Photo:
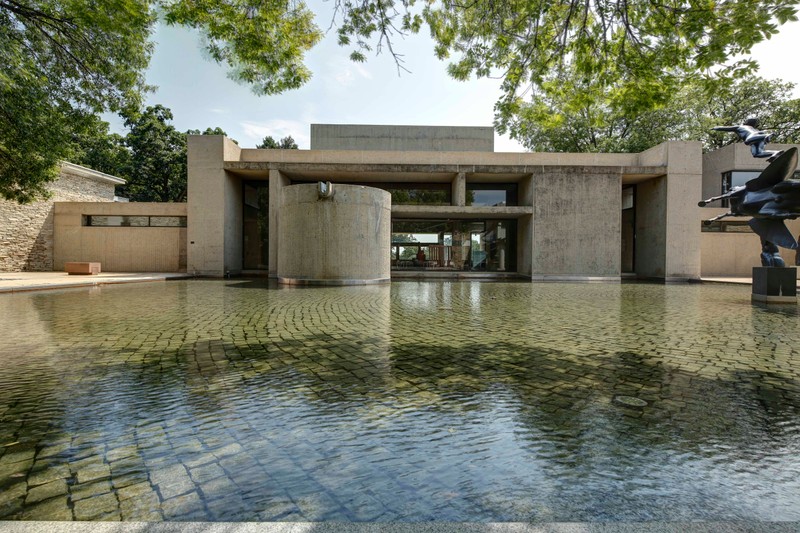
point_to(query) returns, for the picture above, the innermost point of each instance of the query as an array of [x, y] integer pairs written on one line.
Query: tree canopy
[[554, 122], [286, 143], [63, 60]]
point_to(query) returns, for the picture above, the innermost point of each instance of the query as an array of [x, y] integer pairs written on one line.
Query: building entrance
[[255, 231]]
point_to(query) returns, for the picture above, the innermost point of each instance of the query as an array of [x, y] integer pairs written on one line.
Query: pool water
[[240, 400]]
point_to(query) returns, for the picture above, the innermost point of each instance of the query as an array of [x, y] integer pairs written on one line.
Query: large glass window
[[735, 178], [491, 194], [473, 245], [418, 193]]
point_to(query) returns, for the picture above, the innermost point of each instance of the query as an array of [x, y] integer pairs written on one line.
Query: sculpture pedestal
[[775, 285]]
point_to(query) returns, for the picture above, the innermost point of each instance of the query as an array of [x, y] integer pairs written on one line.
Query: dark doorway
[[255, 248], [628, 229]]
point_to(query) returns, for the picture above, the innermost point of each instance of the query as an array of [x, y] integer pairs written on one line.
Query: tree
[[553, 121], [98, 149], [635, 53], [210, 131], [287, 143], [64, 59], [157, 167]]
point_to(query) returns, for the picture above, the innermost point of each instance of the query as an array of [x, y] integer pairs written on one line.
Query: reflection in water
[[240, 400]]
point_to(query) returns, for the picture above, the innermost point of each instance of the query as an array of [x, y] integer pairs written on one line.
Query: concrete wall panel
[[213, 246], [119, 249], [651, 232], [576, 224], [402, 138]]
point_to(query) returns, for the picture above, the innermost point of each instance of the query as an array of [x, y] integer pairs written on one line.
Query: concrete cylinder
[[343, 239]]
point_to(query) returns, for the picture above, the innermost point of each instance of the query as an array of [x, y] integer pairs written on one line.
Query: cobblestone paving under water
[[238, 400]]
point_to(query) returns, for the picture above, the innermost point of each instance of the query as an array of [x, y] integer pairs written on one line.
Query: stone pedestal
[[775, 284]]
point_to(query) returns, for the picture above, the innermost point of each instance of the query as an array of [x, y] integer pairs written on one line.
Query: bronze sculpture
[[770, 198], [752, 137]]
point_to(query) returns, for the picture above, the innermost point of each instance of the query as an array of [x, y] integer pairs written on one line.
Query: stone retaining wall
[[26, 231]]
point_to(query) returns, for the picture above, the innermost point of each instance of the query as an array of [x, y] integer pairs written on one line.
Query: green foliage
[[264, 43], [573, 116], [157, 166], [63, 60], [631, 56], [211, 131], [287, 143], [100, 150]]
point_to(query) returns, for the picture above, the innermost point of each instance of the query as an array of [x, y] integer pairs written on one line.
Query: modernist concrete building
[[404, 201], [457, 208]]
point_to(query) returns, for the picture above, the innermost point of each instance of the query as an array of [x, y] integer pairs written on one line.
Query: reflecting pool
[[239, 400]]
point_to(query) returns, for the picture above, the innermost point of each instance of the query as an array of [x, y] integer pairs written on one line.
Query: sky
[[200, 95]]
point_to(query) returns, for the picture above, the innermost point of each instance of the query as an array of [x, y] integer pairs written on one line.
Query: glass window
[[491, 194], [726, 226], [735, 178], [134, 221], [418, 193], [454, 245], [117, 220], [168, 222]]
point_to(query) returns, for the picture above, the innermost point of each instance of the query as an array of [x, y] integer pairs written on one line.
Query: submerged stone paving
[[241, 401]]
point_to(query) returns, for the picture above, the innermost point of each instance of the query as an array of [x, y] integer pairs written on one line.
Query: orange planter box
[[82, 268]]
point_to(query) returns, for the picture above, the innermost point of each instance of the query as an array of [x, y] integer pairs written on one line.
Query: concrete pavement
[[36, 281]]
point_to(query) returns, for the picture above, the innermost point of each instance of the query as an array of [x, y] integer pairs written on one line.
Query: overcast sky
[[342, 92]]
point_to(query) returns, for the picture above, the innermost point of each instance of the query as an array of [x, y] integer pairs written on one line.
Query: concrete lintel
[[449, 168], [465, 212]]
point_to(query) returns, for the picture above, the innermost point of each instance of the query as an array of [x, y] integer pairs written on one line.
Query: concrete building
[[404, 201], [458, 209], [81, 221]]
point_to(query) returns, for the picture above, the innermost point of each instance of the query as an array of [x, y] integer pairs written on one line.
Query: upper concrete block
[[402, 138]]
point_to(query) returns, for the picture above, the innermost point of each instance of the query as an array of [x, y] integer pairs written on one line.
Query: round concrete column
[[342, 239]]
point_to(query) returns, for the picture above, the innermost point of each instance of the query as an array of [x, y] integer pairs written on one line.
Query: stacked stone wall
[[26, 231]]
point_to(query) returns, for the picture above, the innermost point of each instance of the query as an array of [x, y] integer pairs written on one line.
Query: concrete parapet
[[341, 240]]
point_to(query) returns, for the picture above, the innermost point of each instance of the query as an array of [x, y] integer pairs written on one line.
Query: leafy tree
[[98, 149], [287, 143], [210, 131], [157, 167], [556, 120], [64, 59], [635, 53]]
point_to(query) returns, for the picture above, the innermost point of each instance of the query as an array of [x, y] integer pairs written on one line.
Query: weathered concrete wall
[[215, 237], [277, 181], [667, 237], [119, 249], [26, 231], [735, 156], [651, 230], [735, 254], [342, 239], [402, 138], [576, 225]]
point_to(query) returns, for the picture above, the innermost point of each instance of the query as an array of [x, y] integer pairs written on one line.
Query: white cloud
[[278, 128], [346, 73]]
